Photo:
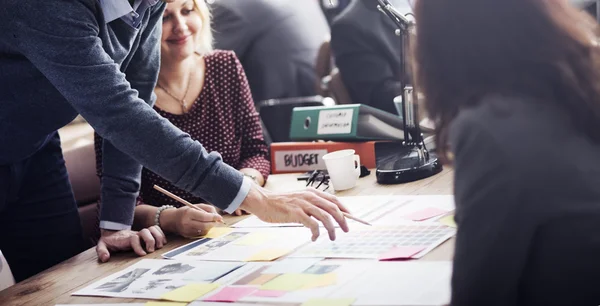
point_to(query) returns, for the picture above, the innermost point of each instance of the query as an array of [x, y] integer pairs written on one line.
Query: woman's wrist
[[167, 220]]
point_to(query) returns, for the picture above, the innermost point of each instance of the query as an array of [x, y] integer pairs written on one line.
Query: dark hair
[[545, 49]]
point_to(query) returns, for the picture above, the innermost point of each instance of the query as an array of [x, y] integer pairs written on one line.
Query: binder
[[349, 122]]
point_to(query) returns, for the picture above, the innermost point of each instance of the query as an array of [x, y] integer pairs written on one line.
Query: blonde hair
[[205, 44]]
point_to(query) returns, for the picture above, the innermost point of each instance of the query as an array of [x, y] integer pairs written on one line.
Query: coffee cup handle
[[357, 165]]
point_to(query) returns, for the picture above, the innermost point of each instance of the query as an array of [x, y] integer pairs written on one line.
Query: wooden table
[[55, 285]]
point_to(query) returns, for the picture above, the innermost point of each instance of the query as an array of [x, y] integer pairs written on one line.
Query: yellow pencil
[[180, 200]]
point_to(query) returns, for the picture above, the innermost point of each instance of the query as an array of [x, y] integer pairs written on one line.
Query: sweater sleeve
[[66, 48], [254, 151], [494, 235]]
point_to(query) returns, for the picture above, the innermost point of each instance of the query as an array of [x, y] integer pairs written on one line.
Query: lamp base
[[408, 165]]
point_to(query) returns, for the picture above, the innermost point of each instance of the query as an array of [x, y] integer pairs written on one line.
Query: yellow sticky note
[[217, 232], [323, 280], [448, 221], [256, 238], [268, 255], [165, 304], [329, 302], [290, 282], [189, 293], [262, 279]]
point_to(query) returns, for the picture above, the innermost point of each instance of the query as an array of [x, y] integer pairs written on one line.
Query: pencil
[[180, 200], [349, 216]]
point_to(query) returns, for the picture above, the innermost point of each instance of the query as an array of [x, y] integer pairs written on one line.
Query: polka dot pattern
[[223, 119]]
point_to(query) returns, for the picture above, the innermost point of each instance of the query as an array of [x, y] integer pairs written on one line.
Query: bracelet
[[159, 211]]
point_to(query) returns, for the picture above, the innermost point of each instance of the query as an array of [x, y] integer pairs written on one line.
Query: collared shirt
[[115, 9]]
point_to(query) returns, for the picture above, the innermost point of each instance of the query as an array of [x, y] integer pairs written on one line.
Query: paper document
[[368, 208], [380, 240], [155, 278], [253, 244]]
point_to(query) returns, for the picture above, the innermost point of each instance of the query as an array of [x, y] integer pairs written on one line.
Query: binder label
[[299, 160], [337, 121]]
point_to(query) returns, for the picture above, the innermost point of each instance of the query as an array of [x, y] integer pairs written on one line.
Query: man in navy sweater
[[100, 58]]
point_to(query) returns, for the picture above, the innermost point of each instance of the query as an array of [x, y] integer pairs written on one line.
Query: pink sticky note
[[403, 252], [268, 293], [424, 214], [230, 294]]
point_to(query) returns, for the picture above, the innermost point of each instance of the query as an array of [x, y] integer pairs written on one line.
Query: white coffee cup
[[343, 167]]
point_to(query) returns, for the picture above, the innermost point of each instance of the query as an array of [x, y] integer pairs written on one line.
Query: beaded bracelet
[[159, 211]]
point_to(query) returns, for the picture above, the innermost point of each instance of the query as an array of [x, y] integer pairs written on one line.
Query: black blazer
[[276, 41], [368, 54]]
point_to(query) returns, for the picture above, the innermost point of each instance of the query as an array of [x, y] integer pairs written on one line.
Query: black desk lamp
[[411, 161]]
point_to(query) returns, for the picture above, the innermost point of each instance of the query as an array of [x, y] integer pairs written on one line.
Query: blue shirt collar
[[115, 9]]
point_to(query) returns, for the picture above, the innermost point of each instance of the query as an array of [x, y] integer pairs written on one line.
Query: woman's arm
[[254, 159], [182, 221], [494, 235]]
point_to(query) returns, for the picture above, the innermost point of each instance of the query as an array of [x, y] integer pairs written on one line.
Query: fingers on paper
[[331, 208], [102, 251]]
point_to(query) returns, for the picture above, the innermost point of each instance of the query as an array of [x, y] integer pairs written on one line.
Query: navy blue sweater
[[59, 58]]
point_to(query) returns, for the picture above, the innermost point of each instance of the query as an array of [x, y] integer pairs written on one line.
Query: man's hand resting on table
[[125, 240], [297, 207]]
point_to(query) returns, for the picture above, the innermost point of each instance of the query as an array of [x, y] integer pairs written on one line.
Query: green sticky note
[[329, 302], [290, 282], [448, 221], [189, 293]]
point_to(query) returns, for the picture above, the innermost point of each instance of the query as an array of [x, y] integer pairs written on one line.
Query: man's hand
[[114, 241], [297, 207]]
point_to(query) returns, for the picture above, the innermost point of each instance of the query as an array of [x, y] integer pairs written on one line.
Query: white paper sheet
[[373, 242], [414, 204], [368, 208], [238, 245], [369, 282], [401, 283], [151, 278], [291, 265]]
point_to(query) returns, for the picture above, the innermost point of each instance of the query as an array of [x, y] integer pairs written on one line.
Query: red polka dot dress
[[222, 119]]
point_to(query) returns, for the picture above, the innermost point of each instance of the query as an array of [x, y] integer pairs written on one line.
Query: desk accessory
[[412, 161]]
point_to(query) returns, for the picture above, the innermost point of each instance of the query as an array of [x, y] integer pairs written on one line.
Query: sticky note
[[448, 221], [269, 293], [262, 279], [189, 293], [256, 238], [425, 214], [268, 255], [401, 252], [290, 282], [291, 265], [217, 232], [164, 304], [323, 280], [328, 302], [230, 294]]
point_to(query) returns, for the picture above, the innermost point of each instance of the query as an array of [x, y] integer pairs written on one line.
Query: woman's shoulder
[[507, 117], [222, 59]]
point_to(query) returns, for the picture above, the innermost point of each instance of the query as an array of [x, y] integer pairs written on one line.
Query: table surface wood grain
[[55, 285]]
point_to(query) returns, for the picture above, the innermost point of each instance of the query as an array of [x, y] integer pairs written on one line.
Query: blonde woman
[[204, 92]]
